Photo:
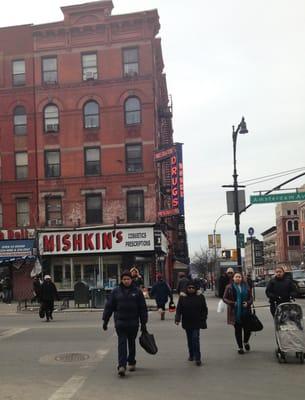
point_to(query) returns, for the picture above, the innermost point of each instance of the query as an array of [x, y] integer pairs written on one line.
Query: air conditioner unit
[[52, 127], [90, 75], [131, 74], [54, 222]]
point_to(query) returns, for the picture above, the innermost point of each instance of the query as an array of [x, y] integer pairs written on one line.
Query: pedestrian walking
[[161, 292], [280, 289], [137, 277], [192, 310], [129, 307], [7, 288], [37, 288], [224, 280], [182, 283], [238, 297], [47, 296]]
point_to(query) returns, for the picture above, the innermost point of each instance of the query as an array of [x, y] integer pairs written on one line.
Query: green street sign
[[241, 240], [277, 198]]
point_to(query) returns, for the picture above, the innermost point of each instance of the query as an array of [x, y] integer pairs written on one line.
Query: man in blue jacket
[[129, 307], [161, 292]]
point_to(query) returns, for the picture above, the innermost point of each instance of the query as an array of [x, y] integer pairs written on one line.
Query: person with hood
[[48, 293], [193, 311], [280, 289], [137, 277], [161, 292], [129, 307], [183, 281], [224, 280], [238, 297], [37, 288]]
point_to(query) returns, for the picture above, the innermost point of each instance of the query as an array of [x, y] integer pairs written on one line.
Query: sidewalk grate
[[72, 357]]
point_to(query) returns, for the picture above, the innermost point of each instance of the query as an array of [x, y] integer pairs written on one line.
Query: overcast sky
[[223, 59]]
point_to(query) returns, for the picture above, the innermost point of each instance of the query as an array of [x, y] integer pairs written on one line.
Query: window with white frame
[[92, 161], [89, 66], [22, 212], [52, 163], [132, 111], [135, 206], [51, 118], [134, 158], [22, 165], [49, 70], [20, 121], [131, 61], [91, 115], [18, 67], [53, 211], [94, 212]]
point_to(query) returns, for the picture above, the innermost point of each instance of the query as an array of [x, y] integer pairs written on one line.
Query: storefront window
[[91, 275], [58, 275], [67, 277], [77, 273], [110, 275]]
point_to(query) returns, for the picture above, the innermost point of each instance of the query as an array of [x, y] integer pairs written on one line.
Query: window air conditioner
[[54, 222], [52, 127], [90, 75]]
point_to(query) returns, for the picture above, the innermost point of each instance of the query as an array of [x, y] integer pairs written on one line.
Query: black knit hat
[[126, 273]]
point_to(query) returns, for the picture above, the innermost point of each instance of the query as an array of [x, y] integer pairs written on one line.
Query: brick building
[[289, 253], [270, 250], [84, 110]]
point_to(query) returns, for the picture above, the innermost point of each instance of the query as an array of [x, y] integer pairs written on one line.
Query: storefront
[[98, 256]]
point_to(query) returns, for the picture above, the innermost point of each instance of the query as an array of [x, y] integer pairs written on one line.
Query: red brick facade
[[49, 74]]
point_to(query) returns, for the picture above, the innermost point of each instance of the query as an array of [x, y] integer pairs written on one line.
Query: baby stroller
[[289, 331]]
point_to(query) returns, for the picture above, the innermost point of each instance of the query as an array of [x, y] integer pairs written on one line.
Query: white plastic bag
[[221, 306]]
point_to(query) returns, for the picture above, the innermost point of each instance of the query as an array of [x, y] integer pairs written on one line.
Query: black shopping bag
[[252, 323], [147, 341], [42, 311]]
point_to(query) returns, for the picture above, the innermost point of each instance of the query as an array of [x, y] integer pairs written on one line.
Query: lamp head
[[243, 127]]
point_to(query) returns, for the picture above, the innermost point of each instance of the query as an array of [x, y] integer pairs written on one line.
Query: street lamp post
[[214, 238], [241, 129]]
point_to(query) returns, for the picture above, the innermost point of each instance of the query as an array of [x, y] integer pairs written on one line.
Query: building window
[[23, 212], [20, 120], [134, 158], [91, 115], [89, 65], [92, 161], [132, 111], [53, 211], [135, 206], [295, 212], [288, 212], [1, 215], [49, 70], [293, 241], [51, 118], [18, 73], [296, 225], [289, 226], [21, 160], [52, 163], [94, 214], [131, 61]]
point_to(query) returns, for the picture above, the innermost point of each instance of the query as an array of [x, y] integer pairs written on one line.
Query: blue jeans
[[127, 345], [193, 342]]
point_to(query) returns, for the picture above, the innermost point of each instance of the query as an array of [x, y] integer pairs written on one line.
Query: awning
[[16, 250]]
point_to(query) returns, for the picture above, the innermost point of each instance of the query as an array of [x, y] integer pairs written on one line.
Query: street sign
[[251, 231], [231, 203], [242, 240], [211, 241], [277, 198]]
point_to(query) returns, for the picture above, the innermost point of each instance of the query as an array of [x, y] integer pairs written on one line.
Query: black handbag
[[252, 323], [147, 341]]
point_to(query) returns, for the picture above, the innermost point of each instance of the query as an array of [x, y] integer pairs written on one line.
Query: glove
[[105, 327], [143, 328]]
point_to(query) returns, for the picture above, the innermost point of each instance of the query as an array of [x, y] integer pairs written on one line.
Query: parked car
[[298, 277]]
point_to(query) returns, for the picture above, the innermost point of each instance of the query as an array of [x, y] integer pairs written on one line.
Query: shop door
[[91, 274]]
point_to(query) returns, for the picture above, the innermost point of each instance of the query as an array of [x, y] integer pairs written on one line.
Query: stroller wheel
[[301, 358]]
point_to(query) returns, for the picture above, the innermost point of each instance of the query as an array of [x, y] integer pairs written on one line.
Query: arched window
[[20, 120], [91, 115], [51, 118], [132, 111], [296, 225], [289, 226]]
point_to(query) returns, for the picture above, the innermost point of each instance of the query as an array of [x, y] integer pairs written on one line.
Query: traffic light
[[234, 255], [226, 254]]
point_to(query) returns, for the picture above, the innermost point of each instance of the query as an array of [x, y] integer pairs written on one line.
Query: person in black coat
[[37, 288], [161, 292], [129, 307], [280, 289], [193, 311], [224, 280], [183, 281], [48, 293]]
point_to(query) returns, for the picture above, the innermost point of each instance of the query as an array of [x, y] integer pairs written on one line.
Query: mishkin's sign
[[177, 184], [97, 241]]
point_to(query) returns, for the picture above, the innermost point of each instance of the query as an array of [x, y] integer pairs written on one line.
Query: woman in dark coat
[[161, 292], [238, 297], [48, 294], [193, 311]]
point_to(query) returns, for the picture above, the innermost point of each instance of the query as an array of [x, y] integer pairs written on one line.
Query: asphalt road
[[32, 367]]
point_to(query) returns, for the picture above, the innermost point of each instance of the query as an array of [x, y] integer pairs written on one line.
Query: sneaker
[[121, 371], [247, 346], [198, 363], [132, 368], [241, 351]]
